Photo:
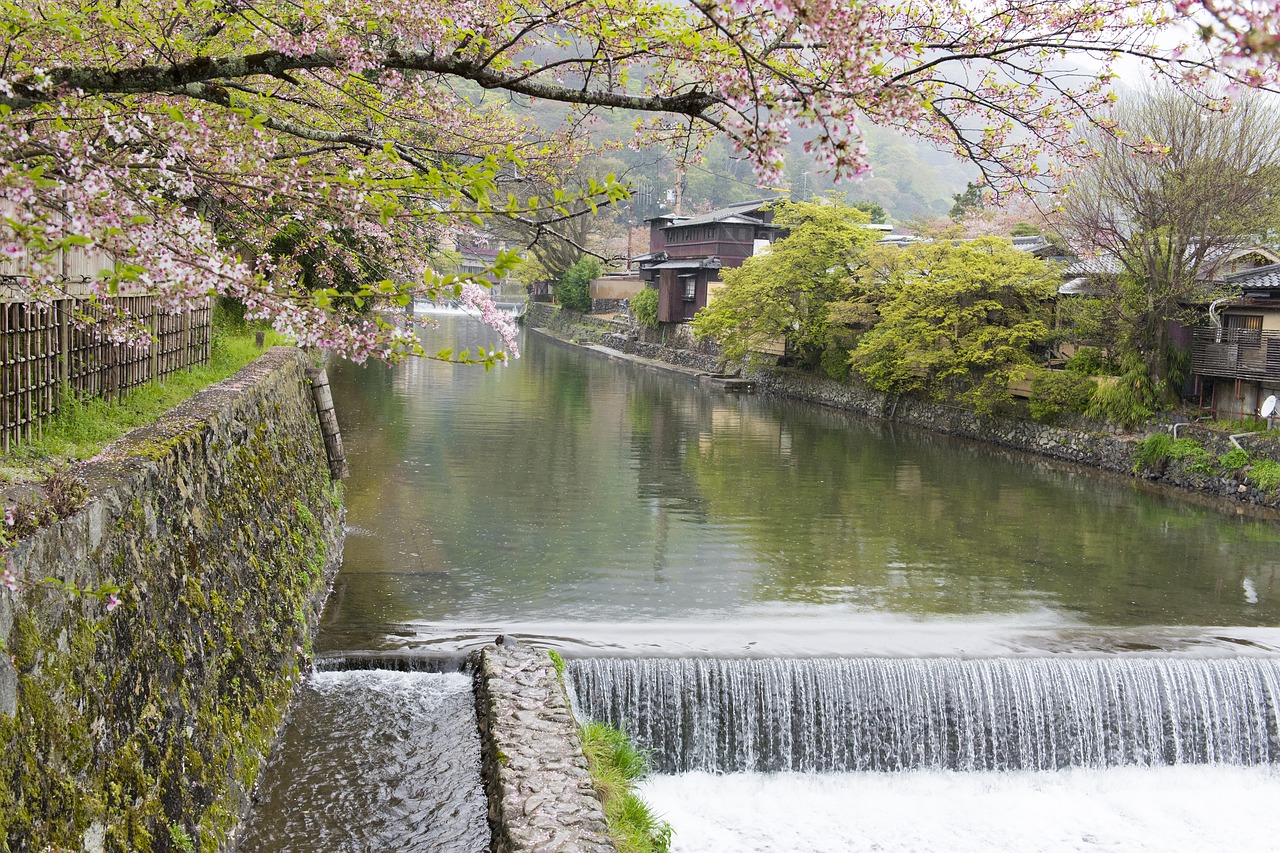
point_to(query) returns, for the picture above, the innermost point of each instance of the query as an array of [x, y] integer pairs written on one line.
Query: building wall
[[616, 287]]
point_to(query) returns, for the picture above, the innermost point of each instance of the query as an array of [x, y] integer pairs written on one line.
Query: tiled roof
[[734, 213], [1099, 265], [1260, 278], [689, 264]]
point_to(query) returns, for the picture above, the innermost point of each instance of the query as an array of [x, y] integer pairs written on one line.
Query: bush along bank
[[138, 721], [1205, 460], [617, 766], [1094, 444]]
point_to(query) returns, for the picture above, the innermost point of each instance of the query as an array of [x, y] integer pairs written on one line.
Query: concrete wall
[[144, 728], [616, 287], [535, 774]]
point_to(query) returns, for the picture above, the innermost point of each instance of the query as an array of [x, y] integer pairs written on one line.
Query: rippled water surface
[[375, 761], [579, 500]]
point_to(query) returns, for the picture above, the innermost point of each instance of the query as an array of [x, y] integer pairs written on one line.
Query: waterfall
[[886, 714], [422, 663]]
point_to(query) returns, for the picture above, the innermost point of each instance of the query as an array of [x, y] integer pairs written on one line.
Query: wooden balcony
[[1235, 353]]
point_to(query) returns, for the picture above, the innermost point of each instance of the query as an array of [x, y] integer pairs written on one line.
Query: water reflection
[[569, 488]]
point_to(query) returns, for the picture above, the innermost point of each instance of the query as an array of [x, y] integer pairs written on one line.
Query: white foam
[[1196, 809]]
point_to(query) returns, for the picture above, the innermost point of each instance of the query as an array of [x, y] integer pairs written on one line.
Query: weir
[[891, 714]]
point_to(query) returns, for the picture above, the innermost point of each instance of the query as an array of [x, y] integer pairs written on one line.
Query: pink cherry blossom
[[314, 157]]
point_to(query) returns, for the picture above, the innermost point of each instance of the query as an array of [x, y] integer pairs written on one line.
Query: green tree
[[955, 321], [873, 209], [644, 305], [573, 291], [967, 202], [786, 291]]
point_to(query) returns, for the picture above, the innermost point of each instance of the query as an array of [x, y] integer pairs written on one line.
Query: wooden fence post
[[155, 342], [187, 349], [323, 399], [64, 346]]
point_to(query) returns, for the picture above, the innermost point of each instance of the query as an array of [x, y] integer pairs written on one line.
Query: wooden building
[[686, 253], [1236, 355]]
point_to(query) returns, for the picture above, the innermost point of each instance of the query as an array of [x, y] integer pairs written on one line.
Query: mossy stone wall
[[144, 728]]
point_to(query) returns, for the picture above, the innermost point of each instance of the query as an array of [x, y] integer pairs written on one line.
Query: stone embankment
[[1093, 445], [142, 726], [539, 790], [673, 345]]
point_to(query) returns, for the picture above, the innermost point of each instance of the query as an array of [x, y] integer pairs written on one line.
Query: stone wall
[[535, 774], [672, 342], [143, 728], [1104, 448]]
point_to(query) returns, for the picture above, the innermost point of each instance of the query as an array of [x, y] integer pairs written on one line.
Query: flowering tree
[[184, 136]]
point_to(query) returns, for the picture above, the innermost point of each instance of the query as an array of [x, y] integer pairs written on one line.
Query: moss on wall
[[144, 728]]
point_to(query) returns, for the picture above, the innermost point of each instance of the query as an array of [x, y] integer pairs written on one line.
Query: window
[[1243, 329], [690, 284]]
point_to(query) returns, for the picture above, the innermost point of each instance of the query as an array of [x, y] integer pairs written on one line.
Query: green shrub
[[1130, 400], [835, 362], [1265, 474], [1233, 460], [1055, 393], [1090, 361], [644, 305], [1160, 447], [573, 291], [616, 766]]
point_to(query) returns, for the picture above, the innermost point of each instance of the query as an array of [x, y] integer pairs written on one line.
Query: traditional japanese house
[[686, 253], [1235, 356]]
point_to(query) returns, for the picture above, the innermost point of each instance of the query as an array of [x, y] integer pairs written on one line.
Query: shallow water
[[375, 761], [1186, 809]]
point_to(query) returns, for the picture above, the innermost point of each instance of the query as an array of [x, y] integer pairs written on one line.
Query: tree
[[874, 210], [954, 320], [573, 291], [966, 203], [182, 135], [1162, 220], [1243, 32], [785, 293]]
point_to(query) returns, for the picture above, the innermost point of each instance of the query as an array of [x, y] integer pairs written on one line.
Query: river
[[611, 511]]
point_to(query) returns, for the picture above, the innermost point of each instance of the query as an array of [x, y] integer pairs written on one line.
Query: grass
[[616, 766], [1248, 423], [1265, 474], [82, 427], [1160, 446]]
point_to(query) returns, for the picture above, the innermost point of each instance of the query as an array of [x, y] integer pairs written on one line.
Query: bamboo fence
[[47, 351]]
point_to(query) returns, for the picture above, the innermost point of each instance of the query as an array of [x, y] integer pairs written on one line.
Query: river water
[[611, 511]]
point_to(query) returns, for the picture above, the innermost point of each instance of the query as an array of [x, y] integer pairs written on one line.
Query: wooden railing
[[1235, 353], [46, 352]]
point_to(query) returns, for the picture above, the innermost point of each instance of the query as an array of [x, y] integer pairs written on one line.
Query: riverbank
[[1211, 471], [139, 720]]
